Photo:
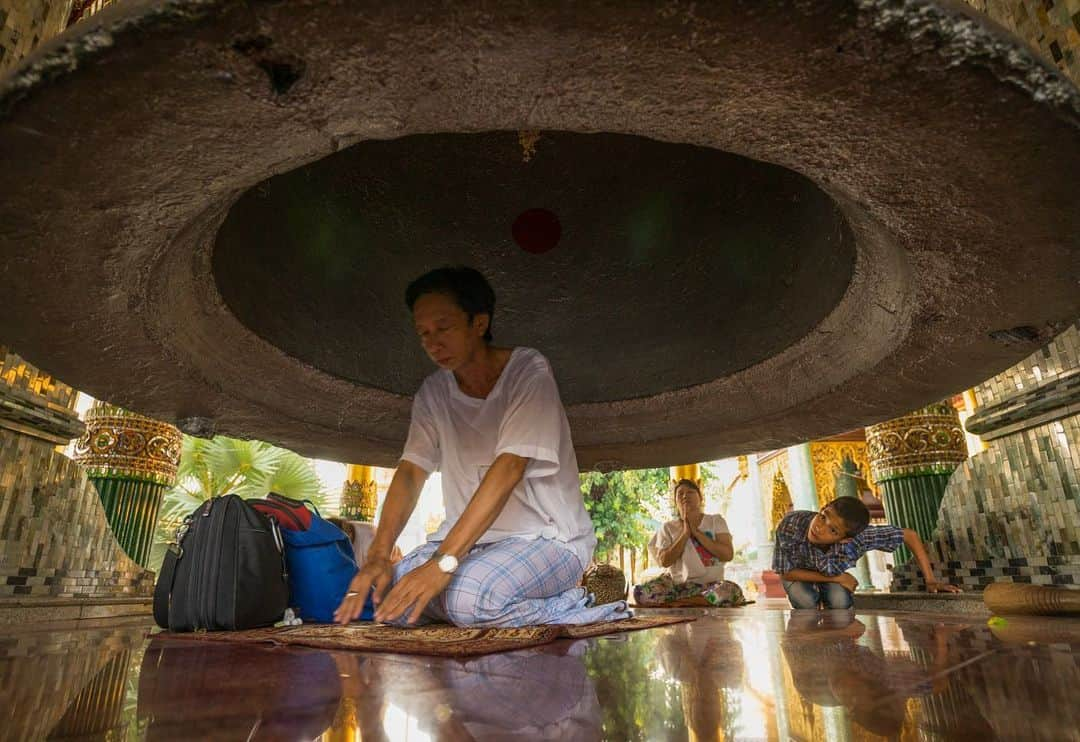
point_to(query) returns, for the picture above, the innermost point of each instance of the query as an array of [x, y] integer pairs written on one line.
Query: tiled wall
[[1012, 512], [1019, 498], [24, 24], [1060, 358], [44, 672], [54, 538], [1050, 26], [32, 381]]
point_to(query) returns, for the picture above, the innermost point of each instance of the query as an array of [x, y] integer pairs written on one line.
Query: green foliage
[[649, 705], [626, 507], [221, 466], [718, 493]]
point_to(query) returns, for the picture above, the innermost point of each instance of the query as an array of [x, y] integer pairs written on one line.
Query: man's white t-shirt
[[694, 564], [461, 436]]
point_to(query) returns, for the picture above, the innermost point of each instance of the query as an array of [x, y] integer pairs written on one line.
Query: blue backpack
[[319, 558]]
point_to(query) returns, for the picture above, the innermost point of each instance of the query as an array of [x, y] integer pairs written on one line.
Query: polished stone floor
[[753, 673]]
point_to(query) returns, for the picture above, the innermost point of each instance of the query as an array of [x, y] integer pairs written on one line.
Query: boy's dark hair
[[854, 514], [467, 286]]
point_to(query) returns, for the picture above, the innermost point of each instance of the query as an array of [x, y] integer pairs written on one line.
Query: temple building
[[832, 246]]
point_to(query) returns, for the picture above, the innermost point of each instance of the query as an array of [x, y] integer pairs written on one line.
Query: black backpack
[[225, 571]]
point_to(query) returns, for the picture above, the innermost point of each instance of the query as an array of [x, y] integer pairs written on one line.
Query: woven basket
[[606, 582]]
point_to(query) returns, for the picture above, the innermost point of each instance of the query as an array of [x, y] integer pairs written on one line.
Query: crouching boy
[[815, 550]]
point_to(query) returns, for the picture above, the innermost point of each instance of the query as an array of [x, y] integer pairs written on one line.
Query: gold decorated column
[[687, 471], [911, 459], [132, 460], [359, 494]]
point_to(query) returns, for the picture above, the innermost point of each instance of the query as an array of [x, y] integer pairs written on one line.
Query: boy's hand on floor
[[848, 582], [942, 587]]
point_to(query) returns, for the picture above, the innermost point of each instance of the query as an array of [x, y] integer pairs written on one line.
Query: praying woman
[[692, 549]]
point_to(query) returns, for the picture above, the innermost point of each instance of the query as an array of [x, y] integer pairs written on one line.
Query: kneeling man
[[516, 537]]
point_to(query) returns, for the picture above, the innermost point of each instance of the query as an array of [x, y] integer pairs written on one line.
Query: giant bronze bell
[[730, 226]]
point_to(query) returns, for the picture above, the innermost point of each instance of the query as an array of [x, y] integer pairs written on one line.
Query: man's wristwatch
[[447, 563]]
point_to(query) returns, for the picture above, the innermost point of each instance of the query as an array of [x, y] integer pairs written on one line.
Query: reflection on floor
[[751, 673]]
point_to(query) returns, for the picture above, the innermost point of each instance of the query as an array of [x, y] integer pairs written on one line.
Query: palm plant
[[220, 466]]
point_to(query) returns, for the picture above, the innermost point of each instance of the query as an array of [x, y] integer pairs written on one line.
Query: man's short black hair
[[854, 514], [467, 286]]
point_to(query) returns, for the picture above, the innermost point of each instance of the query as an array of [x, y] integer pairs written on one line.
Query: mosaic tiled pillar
[[55, 541], [132, 460], [801, 483], [759, 524], [774, 625], [97, 712], [911, 459], [1012, 512], [359, 494], [48, 677]]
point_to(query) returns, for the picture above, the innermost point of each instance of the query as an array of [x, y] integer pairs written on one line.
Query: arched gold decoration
[[768, 467], [827, 457], [781, 499], [528, 140]]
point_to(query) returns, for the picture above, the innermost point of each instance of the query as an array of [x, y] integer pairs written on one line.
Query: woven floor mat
[[435, 641]]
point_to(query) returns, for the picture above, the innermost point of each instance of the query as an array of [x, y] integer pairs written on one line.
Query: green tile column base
[[913, 502], [131, 507]]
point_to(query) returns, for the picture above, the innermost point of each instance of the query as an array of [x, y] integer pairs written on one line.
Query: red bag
[[291, 515]]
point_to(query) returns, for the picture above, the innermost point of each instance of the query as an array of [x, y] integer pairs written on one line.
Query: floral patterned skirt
[[663, 591]]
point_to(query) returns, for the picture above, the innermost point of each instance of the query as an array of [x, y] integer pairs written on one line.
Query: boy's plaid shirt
[[793, 551]]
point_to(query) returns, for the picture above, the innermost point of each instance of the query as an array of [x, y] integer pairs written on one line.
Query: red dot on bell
[[536, 231]]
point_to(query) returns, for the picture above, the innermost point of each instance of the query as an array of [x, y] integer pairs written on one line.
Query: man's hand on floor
[[415, 590], [376, 575]]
